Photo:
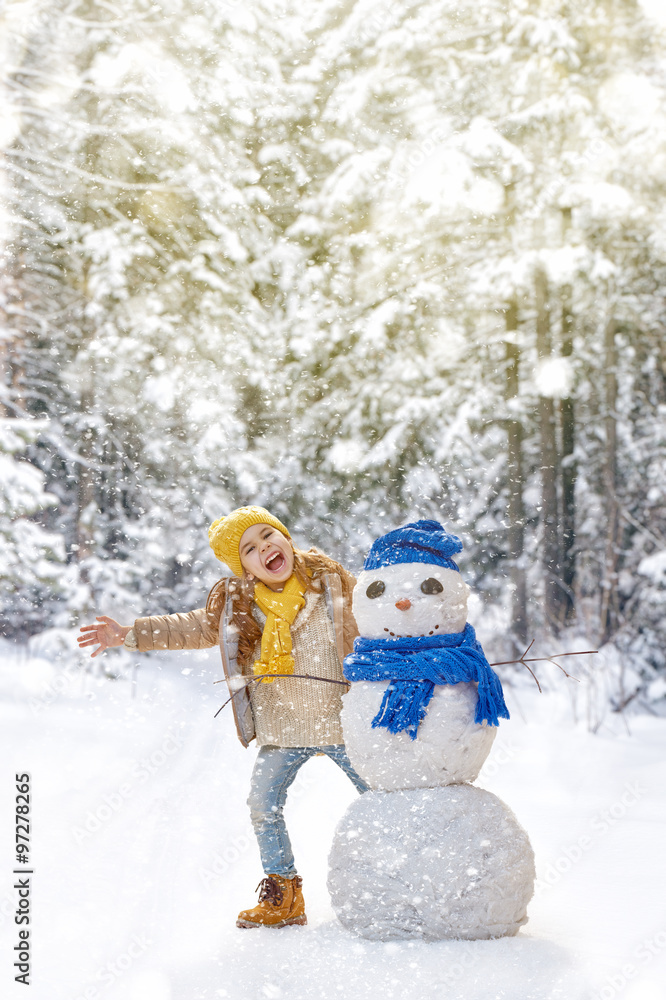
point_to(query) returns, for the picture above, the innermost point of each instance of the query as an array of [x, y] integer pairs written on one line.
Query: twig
[[526, 660], [536, 679], [260, 677], [620, 706], [570, 676], [524, 663], [533, 659]]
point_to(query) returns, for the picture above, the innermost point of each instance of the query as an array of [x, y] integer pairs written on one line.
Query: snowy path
[[143, 854]]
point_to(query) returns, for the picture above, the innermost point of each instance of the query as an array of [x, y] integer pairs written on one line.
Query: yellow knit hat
[[225, 534]]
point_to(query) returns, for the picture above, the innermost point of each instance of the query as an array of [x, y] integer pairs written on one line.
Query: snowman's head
[[410, 585], [409, 599]]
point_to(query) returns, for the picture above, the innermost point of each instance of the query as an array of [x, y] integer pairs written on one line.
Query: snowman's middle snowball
[[450, 748]]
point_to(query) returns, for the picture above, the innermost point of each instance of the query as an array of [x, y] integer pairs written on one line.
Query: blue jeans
[[274, 771]]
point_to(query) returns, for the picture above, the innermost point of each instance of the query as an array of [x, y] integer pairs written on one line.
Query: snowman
[[424, 854]]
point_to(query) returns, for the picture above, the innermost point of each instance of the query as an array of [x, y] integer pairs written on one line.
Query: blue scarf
[[414, 665]]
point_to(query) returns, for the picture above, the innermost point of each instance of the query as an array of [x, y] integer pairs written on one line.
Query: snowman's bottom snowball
[[432, 863]]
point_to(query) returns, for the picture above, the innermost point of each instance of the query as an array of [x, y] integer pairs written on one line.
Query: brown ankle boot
[[280, 903]]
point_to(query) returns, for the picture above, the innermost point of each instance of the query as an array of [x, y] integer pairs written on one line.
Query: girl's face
[[267, 555]]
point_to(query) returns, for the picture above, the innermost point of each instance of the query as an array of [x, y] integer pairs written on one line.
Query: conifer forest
[[359, 262]]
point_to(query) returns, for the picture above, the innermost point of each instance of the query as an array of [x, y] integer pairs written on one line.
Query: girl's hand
[[108, 634]]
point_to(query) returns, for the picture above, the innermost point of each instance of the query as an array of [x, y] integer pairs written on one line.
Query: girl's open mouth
[[275, 563]]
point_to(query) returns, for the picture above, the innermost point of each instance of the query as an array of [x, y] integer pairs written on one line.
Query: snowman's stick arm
[[536, 679], [570, 676], [260, 677], [526, 660], [533, 659]]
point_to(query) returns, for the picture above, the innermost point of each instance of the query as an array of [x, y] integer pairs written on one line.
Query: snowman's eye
[[431, 586], [376, 589]]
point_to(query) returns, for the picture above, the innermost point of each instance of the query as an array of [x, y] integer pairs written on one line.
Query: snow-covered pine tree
[[505, 193], [30, 555], [152, 220], [301, 259]]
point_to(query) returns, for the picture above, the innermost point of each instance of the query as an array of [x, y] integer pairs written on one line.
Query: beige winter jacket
[[290, 711]]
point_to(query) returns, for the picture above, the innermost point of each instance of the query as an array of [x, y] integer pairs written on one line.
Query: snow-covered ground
[[143, 852]]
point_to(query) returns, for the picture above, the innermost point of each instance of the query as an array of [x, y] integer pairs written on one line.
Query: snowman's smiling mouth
[[394, 636]]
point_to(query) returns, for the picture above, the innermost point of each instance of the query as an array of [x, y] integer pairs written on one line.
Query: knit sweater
[[290, 711]]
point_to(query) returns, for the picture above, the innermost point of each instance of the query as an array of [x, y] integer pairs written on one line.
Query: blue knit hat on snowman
[[415, 664], [418, 542]]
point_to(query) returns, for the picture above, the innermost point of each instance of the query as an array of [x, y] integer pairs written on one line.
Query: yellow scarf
[[280, 609]]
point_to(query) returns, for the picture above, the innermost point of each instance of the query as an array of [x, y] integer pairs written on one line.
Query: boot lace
[[271, 890]]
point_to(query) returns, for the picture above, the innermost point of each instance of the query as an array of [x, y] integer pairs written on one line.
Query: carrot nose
[[403, 604]]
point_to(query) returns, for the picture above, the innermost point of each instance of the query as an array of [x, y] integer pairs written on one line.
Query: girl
[[284, 612]]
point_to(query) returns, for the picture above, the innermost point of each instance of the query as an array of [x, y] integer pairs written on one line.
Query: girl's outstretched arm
[[192, 630], [108, 633]]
